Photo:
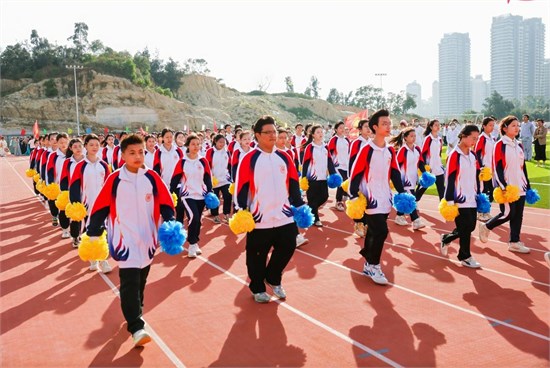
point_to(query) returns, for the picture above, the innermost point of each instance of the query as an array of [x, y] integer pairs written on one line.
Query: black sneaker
[[55, 221]]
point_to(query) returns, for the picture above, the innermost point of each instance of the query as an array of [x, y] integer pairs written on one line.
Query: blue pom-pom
[[303, 216], [334, 180], [427, 179], [171, 237], [404, 202], [211, 201], [483, 203], [532, 196]]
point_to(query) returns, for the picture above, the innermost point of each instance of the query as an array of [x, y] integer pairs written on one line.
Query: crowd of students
[[129, 185]]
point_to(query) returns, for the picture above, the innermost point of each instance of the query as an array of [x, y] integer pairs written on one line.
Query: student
[[363, 138], [54, 170], [244, 139], [179, 140], [108, 149], [461, 188], [192, 180], [297, 139], [167, 156], [150, 142], [236, 143], [431, 155], [137, 198], [219, 161], [338, 147], [484, 154], [375, 163], [275, 181], [509, 169]]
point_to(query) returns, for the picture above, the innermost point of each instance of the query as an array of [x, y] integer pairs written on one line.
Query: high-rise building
[[435, 97], [454, 74], [415, 90], [546, 79], [517, 56], [480, 91]]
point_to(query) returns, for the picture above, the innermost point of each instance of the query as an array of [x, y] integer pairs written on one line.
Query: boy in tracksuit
[[133, 200]]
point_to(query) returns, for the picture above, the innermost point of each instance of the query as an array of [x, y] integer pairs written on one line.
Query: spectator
[[4, 150], [526, 133], [540, 143]]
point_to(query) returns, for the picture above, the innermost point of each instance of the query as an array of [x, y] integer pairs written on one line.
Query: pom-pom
[[485, 174], [175, 199], [532, 196], [62, 200], [498, 195], [304, 184], [30, 173], [93, 250], [40, 186], [512, 193], [76, 211], [483, 203], [51, 191], [427, 180], [211, 201], [427, 168], [36, 177], [171, 237], [449, 212], [215, 181], [404, 202], [345, 185], [232, 188], [242, 222], [334, 180], [392, 187], [355, 208], [303, 216]]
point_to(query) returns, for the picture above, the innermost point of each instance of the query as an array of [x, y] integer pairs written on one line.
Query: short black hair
[[166, 130], [467, 131], [376, 116], [131, 139], [361, 123], [90, 137], [264, 120]]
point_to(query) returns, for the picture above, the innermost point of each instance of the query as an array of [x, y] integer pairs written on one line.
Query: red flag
[[23, 131], [215, 128], [106, 130], [351, 122], [35, 130]]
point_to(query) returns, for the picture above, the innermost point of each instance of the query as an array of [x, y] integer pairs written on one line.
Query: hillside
[[116, 103]]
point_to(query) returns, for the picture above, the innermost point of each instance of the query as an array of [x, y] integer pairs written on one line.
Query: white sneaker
[[93, 265], [105, 267], [418, 224], [300, 240], [483, 217], [483, 233], [76, 242], [65, 234], [401, 220], [278, 291], [470, 262], [318, 223], [340, 207], [262, 297], [443, 247], [547, 257], [141, 338], [192, 252], [375, 273], [518, 247], [359, 229]]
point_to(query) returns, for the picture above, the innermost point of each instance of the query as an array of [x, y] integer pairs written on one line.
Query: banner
[[106, 130], [35, 130], [352, 120], [23, 132], [88, 130]]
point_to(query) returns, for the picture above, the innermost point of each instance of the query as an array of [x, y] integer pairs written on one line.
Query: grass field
[[538, 176]]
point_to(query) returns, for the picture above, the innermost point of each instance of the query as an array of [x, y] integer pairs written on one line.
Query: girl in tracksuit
[[509, 169], [484, 154], [243, 138], [317, 162], [338, 147], [33, 162], [192, 180], [108, 149], [167, 156], [431, 155], [219, 161], [363, 138], [54, 169], [461, 188]]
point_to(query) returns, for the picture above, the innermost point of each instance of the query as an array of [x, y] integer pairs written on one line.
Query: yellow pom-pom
[[232, 188], [93, 250], [345, 185], [498, 195], [512, 193], [175, 199], [62, 200], [40, 186], [448, 212], [426, 167], [304, 184], [242, 222], [30, 173], [392, 187], [36, 177], [51, 191], [76, 211], [355, 209], [485, 174], [215, 181]]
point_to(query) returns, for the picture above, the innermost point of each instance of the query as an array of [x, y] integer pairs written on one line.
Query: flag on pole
[[215, 128], [352, 120], [70, 131], [147, 128], [106, 130], [88, 130], [23, 132], [35, 130]]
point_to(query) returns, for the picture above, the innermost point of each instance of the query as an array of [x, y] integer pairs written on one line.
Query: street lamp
[[381, 75], [75, 67]]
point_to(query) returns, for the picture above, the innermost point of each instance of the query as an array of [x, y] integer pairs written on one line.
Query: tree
[[173, 75], [394, 102], [368, 97], [289, 85], [80, 41], [307, 92], [409, 104], [314, 85], [196, 66], [16, 62], [496, 105], [335, 97]]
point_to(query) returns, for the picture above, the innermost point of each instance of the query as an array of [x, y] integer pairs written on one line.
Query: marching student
[[509, 169], [192, 180], [298, 138], [484, 153], [51, 148], [409, 161], [431, 155], [338, 147], [87, 179], [461, 188], [317, 162], [133, 201], [235, 144], [108, 149], [219, 161], [179, 140], [244, 139], [54, 169], [150, 143], [166, 156]]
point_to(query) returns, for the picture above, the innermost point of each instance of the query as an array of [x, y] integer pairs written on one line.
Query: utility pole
[[75, 67], [381, 75]]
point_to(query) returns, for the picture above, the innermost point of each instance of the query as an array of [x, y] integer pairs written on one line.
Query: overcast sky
[[343, 43]]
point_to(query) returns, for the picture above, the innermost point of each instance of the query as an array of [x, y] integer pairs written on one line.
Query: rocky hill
[[116, 103]]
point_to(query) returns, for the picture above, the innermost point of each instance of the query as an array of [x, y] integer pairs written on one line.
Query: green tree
[[394, 102], [196, 66], [16, 62], [409, 104], [497, 106], [368, 97], [335, 97], [80, 41], [289, 85], [50, 88], [173, 75], [314, 85]]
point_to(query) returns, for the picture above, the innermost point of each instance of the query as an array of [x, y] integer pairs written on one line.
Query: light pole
[[381, 75], [75, 67]]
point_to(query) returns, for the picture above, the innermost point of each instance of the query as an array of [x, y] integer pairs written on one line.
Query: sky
[[248, 43]]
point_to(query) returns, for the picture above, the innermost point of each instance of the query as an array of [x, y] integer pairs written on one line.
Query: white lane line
[[308, 317], [167, 351]]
